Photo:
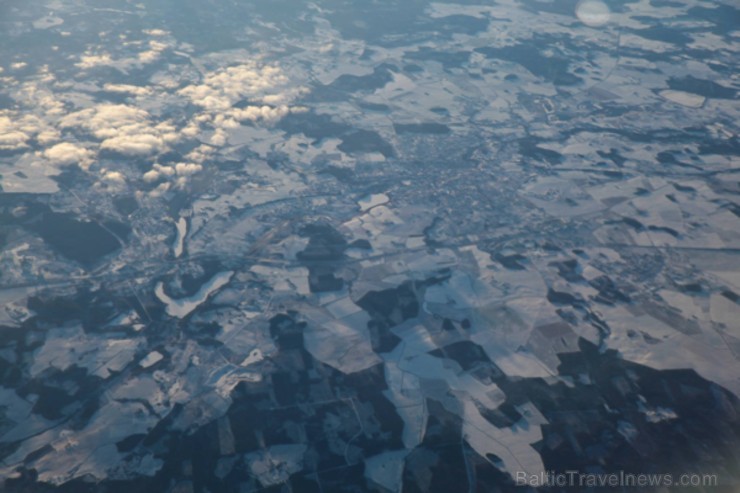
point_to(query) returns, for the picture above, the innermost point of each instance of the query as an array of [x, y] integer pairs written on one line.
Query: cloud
[[127, 89], [180, 173], [218, 138], [165, 170], [222, 88], [113, 177], [13, 140], [66, 154], [134, 144], [11, 137], [124, 129], [156, 32], [16, 131], [160, 190], [38, 101], [187, 169], [151, 176], [90, 61], [49, 136], [75, 137], [217, 94], [267, 114], [158, 172], [153, 52], [106, 120], [200, 153]]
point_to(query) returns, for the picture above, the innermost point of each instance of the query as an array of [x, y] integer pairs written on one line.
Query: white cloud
[[158, 172], [200, 153], [129, 129], [134, 144], [186, 169], [225, 121], [161, 189], [127, 89], [222, 88], [66, 154], [151, 176], [191, 130], [148, 56], [267, 114], [49, 136], [156, 32], [122, 128], [36, 95], [11, 137], [114, 177], [218, 138], [153, 53], [107, 120], [165, 170], [17, 130], [90, 61], [13, 140]]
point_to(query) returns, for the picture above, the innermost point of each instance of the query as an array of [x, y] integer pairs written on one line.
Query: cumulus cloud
[[16, 131], [218, 138], [66, 154], [160, 190], [122, 128], [48, 137], [151, 176], [165, 170], [153, 53], [267, 114], [115, 178], [106, 120], [221, 89], [11, 138], [167, 175], [90, 60], [186, 169], [156, 32], [127, 89], [19, 128], [134, 144], [129, 129], [36, 95], [158, 172], [200, 153]]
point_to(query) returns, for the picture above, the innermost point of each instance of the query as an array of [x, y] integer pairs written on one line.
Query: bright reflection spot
[[593, 13]]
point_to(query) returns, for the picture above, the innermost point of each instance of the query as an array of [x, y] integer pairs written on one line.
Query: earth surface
[[368, 246]]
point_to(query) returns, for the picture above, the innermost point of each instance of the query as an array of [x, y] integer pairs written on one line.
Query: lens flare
[[593, 13]]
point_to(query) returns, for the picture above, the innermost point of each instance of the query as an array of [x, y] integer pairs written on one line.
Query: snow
[[683, 98], [151, 359], [182, 231], [182, 307]]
